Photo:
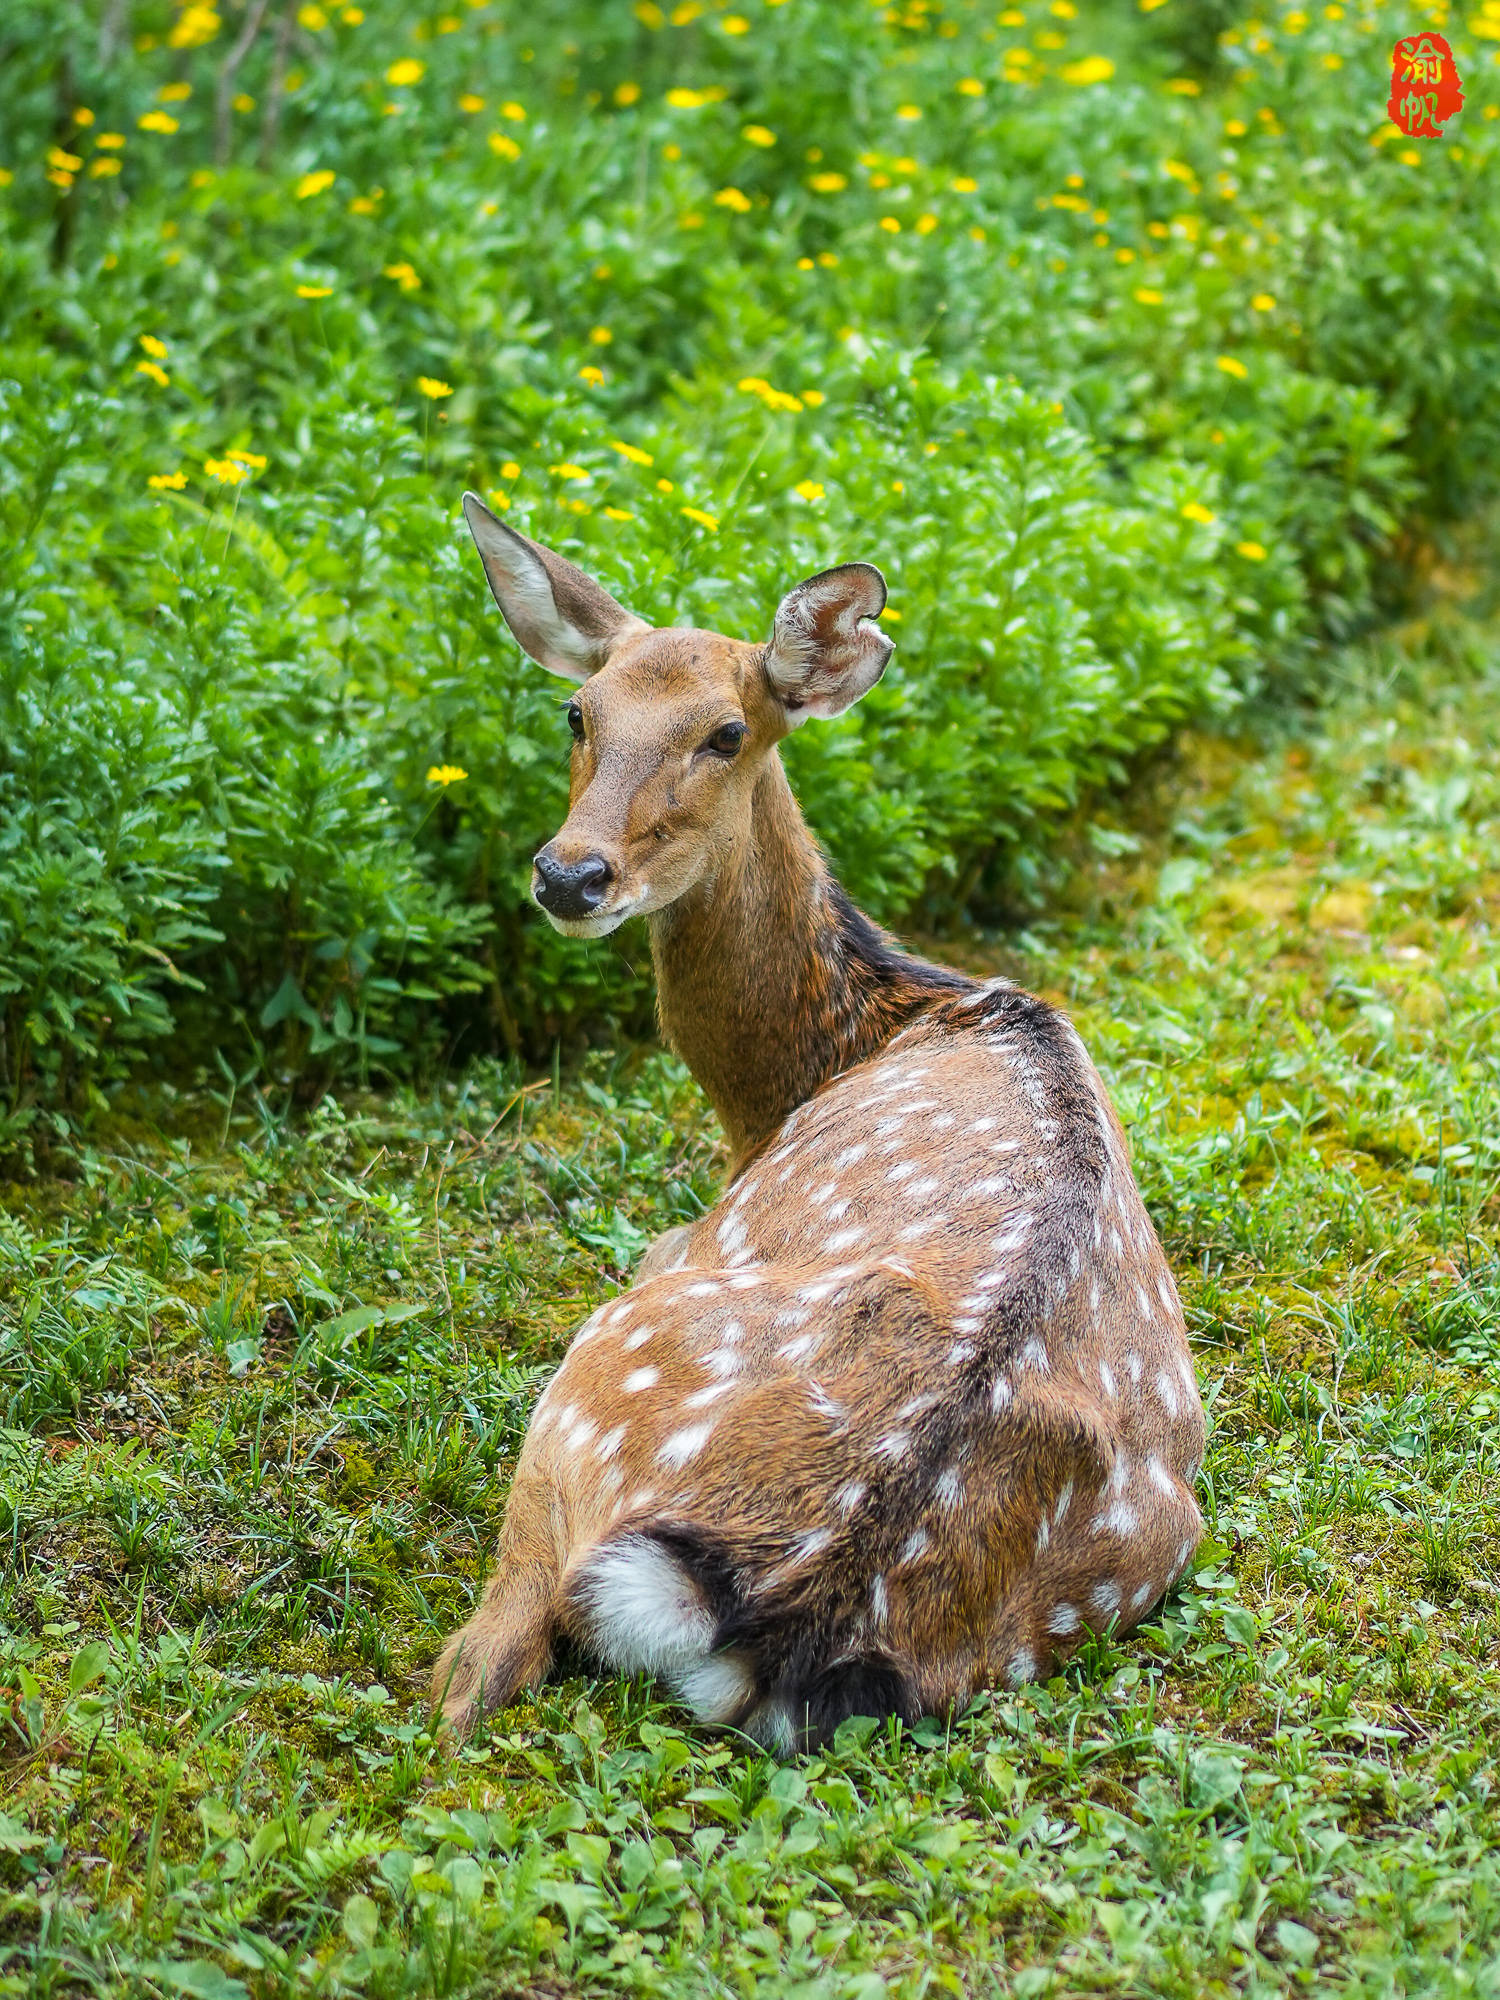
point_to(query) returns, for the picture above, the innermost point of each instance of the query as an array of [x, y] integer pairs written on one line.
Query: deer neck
[[769, 981]]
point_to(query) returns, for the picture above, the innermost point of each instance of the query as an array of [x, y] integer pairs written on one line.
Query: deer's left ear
[[826, 649]]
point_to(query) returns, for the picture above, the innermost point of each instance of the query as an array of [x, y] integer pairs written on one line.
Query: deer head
[[671, 726]]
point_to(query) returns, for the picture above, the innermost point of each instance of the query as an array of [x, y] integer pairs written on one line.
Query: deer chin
[[602, 922]]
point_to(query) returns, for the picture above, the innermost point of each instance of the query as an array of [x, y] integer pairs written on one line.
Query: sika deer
[[911, 1410]]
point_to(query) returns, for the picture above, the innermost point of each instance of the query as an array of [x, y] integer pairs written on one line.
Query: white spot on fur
[[845, 1239], [1104, 1600], [1133, 1364], [893, 1445], [1159, 1476], [684, 1445], [640, 1378], [705, 1290], [916, 1544], [1000, 1394], [1064, 1619], [1022, 1667], [637, 1339], [1118, 1518], [879, 1603], [1106, 1378], [948, 1487], [701, 1398], [849, 1495], [959, 1353], [1166, 1388], [1139, 1599], [1034, 1355], [610, 1443]]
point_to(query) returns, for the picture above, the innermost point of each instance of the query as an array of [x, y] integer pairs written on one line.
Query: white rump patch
[[643, 1613]]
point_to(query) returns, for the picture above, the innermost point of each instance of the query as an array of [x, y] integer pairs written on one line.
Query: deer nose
[[571, 888]]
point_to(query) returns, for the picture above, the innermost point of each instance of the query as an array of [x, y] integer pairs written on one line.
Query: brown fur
[[911, 1410]]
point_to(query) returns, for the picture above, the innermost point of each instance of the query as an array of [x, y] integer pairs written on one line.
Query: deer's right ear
[[560, 617]]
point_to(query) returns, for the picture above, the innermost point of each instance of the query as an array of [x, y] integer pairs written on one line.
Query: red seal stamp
[[1425, 90]]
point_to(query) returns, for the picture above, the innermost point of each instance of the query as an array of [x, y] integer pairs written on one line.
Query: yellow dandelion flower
[[83, 116], [690, 221], [503, 144], [600, 336], [154, 371], [1230, 366], [169, 482], [964, 184], [631, 451], [1236, 127], [251, 460], [352, 16], [174, 93], [315, 183], [500, 499], [101, 169], [809, 489], [470, 102], [908, 113], [1090, 69], [648, 15], [664, 486], [1263, 302], [312, 17], [926, 224], [194, 26], [889, 613], [433, 389], [225, 471], [510, 470], [732, 198], [827, 183], [682, 99], [244, 102], [708, 521], [446, 774], [1196, 511], [593, 376], [627, 94], [759, 135], [1148, 295], [568, 471], [68, 162], [156, 121], [1179, 171], [827, 258], [804, 264], [408, 70], [110, 142], [405, 277], [890, 225], [1251, 551], [315, 291], [970, 86], [157, 349], [898, 485], [735, 24], [814, 398], [1124, 256], [516, 113], [1409, 156]]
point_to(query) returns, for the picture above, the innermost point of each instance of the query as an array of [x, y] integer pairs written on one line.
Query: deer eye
[[575, 720], [726, 741]]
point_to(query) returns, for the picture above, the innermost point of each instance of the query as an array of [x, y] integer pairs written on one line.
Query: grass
[[262, 1376]]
